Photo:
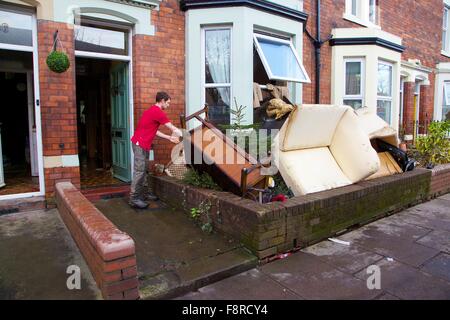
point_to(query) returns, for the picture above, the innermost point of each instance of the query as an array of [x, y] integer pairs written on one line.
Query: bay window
[[384, 91], [353, 83], [217, 73]]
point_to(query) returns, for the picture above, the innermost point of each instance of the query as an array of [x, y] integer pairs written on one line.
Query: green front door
[[120, 120]]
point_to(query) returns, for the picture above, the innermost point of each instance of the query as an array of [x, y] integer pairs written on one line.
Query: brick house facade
[[166, 51]]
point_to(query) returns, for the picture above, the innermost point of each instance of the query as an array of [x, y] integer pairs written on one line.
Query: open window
[[280, 60]]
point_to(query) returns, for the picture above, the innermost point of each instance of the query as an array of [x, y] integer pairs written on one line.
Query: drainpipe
[[317, 42], [317, 45]]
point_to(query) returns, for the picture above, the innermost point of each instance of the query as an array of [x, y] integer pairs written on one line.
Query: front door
[[120, 122]]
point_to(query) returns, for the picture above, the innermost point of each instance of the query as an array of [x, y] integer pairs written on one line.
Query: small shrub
[[203, 180], [203, 209], [434, 148]]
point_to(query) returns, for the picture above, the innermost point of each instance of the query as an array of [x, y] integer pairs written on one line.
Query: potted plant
[[57, 61], [402, 133]]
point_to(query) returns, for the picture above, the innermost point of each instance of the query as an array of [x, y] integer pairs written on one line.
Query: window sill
[[359, 21], [445, 53]]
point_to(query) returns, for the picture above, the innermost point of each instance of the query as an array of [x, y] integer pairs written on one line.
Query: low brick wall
[[440, 180], [268, 229], [109, 252]]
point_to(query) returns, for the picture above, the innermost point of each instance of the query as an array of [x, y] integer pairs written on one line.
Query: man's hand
[[174, 139]]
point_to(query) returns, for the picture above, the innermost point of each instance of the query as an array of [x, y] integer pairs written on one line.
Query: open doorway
[[103, 118], [18, 153]]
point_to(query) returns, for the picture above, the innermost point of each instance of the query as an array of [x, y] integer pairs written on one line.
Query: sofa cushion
[[310, 170], [311, 126], [352, 150]]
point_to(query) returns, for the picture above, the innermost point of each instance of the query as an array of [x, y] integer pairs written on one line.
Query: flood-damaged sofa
[[322, 147]]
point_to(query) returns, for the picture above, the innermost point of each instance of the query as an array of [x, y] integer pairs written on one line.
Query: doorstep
[[108, 192], [22, 204]]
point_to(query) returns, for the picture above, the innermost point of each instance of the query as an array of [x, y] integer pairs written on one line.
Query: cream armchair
[[322, 147]]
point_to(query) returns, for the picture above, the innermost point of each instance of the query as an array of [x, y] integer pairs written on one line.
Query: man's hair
[[162, 96]]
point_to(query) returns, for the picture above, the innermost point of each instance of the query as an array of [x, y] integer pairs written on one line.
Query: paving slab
[[439, 266], [173, 254], [35, 251], [350, 259], [445, 197], [437, 239], [250, 285], [393, 239], [409, 283], [423, 220], [309, 277]]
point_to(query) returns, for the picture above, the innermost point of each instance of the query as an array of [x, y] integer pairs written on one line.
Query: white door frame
[[34, 50], [115, 57]]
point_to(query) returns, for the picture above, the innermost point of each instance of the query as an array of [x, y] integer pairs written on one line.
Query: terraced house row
[[74, 124]]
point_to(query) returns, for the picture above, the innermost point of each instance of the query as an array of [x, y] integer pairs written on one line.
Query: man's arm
[[174, 129], [165, 136]]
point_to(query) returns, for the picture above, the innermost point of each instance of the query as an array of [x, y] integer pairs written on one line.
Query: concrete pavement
[[411, 249], [35, 251]]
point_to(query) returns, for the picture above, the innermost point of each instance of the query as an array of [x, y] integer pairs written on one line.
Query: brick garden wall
[[109, 252], [279, 227], [440, 180]]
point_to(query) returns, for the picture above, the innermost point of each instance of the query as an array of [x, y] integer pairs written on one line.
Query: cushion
[[310, 170], [352, 150], [311, 126]]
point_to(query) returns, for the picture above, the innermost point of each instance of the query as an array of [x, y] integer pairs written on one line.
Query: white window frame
[[362, 16], [361, 95], [387, 98], [266, 64], [445, 31], [401, 97], [205, 85]]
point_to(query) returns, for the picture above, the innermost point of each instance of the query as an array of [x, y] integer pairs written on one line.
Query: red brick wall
[[57, 104], [418, 23], [109, 252], [158, 65]]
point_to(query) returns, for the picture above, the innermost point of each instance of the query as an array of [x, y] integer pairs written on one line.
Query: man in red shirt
[[142, 139]]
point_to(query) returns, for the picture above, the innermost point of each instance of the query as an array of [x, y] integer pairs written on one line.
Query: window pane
[[355, 7], [281, 60], [218, 100], [384, 80], [373, 11], [100, 40], [15, 28], [384, 110], [217, 56], [446, 93], [446, 112], [355, 104], [353, 78]]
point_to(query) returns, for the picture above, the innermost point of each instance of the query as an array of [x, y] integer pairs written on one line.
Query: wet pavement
[[35, 251], [411, 250], [173, 254]]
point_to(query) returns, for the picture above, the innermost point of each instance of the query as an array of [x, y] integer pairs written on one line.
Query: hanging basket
[[57, 61]]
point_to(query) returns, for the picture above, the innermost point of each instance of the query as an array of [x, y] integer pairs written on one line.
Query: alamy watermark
[[74, 280], [374, 279]]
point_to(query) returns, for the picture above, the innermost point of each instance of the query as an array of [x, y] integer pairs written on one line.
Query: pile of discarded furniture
[[318, 147]]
